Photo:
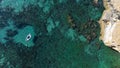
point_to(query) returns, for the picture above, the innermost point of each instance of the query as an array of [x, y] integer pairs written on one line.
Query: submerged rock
[[11, 32]]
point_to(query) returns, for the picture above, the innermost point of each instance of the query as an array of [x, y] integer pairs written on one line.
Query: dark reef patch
[[11, 33]]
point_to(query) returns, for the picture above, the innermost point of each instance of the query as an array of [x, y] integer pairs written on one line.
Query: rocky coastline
[[110, 24]]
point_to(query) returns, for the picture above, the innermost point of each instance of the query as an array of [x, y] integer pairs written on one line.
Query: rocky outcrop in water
[[110, 24]]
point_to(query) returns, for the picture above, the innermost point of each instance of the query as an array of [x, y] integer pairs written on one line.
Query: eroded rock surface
[[110, 24]]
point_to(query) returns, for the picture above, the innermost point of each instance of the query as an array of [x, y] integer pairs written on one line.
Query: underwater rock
[[110, 24], [11, 32], [3, 24], [20, 25]]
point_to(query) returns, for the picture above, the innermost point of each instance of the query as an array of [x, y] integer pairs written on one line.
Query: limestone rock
[[110, 24]]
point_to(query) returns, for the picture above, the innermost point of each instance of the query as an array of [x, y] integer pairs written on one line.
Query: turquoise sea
[[53, 34]]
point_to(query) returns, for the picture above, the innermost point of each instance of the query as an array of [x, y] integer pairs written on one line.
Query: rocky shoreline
[[110, 24]]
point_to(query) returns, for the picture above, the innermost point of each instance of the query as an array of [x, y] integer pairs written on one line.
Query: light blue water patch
[[22, 34], [62, 1], [71, 34], [51, 24], [20, 37], [46, 5], [2, 35], [77, 1], [82, 38], [16, 4]]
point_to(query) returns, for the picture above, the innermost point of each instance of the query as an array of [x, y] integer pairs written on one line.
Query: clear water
[[64, 34]]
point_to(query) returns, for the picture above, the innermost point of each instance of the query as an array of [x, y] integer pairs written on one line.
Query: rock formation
[[110, 24]]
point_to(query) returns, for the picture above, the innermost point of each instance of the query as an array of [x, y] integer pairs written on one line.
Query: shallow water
[[64, 34]]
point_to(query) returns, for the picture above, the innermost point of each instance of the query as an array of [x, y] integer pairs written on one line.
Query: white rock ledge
[[110, 24]]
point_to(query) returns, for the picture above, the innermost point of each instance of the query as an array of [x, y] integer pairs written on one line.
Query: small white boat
[[28, 37]]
